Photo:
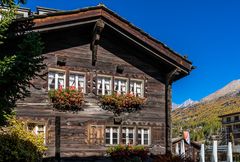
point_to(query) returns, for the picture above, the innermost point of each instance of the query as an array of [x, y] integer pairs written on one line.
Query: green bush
[[19, 145], [14, 149]]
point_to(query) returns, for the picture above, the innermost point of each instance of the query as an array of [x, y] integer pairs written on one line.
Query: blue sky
[[208, 31]]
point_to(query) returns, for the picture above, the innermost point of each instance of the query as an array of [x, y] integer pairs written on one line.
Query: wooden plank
[[74, 135]]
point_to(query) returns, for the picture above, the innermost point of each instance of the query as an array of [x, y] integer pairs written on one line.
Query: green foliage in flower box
[[121, 103], [126, 153], [68, 99]]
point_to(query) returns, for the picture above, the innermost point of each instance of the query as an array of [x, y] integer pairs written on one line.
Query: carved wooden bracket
[[99, 26]]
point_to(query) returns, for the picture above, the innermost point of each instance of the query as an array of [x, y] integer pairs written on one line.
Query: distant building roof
[[44, 10], [230, 114]]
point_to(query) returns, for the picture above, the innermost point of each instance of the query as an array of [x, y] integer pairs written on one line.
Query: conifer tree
[[20, 60]]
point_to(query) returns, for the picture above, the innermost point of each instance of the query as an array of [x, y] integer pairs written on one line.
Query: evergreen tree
[[20, 61]]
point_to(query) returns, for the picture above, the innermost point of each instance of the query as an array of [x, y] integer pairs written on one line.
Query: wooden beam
[[99, 26], [168, 107], [57, 138]]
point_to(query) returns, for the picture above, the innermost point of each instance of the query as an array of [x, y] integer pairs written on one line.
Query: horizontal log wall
[[75, 47]]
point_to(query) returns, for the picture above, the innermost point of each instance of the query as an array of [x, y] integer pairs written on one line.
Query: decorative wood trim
[[67, 78], [145, 87], [94, 83], [99, 26], [113, 84]]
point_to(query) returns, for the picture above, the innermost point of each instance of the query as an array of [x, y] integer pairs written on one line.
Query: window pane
[[51, 80], [145, 136], [104, 85], [136, 87], [107, 135], [130, 135], [115, 141], [145, 142], [120, 86], [56, 80], [71, 80], [60, 83], [31, 126], [40, 128], [115, 135], [145, 131], [139, 141], [139, 137], [77, 80], [61, 75], [107, 141], [37, 129], [115, 130], [111, 134]]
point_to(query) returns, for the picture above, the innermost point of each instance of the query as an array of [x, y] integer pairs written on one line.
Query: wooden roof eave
[[61, 26], [54, 21], [138, 33], [230, 114], [149, 50]]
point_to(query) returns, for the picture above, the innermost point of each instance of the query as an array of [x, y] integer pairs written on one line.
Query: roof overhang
[[66, 19], [231, 114]]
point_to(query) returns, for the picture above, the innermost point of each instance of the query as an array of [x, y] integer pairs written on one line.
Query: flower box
[[68, 99], [121, 103]]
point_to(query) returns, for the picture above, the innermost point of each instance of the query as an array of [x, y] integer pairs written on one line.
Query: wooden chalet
[[99, 51]]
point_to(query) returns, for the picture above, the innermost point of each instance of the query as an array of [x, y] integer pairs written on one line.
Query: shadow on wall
[[78, 159], [151, 158]]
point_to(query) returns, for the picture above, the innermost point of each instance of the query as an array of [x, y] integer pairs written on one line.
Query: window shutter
[[94, 83], [96, 134], [157, 135]]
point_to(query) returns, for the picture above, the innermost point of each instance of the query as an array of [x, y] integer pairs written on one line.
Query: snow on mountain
[[174, 106], [186, 103]]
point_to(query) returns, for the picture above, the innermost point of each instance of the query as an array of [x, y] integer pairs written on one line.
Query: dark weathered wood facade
[[95, 42]]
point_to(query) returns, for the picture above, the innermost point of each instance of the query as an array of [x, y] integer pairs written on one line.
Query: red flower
[[67, 99]]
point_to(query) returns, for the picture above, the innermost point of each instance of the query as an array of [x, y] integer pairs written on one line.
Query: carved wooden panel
[[96, 134]]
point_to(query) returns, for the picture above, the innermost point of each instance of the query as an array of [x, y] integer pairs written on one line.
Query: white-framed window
[[56, 79], [77, 81], [104, 85], [112, 135], [136, 87], [37, 129], [143, 136], [120, 85], [127, 135]]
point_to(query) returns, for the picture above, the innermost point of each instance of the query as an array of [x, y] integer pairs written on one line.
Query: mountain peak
[[189, 102], [231, 88]]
